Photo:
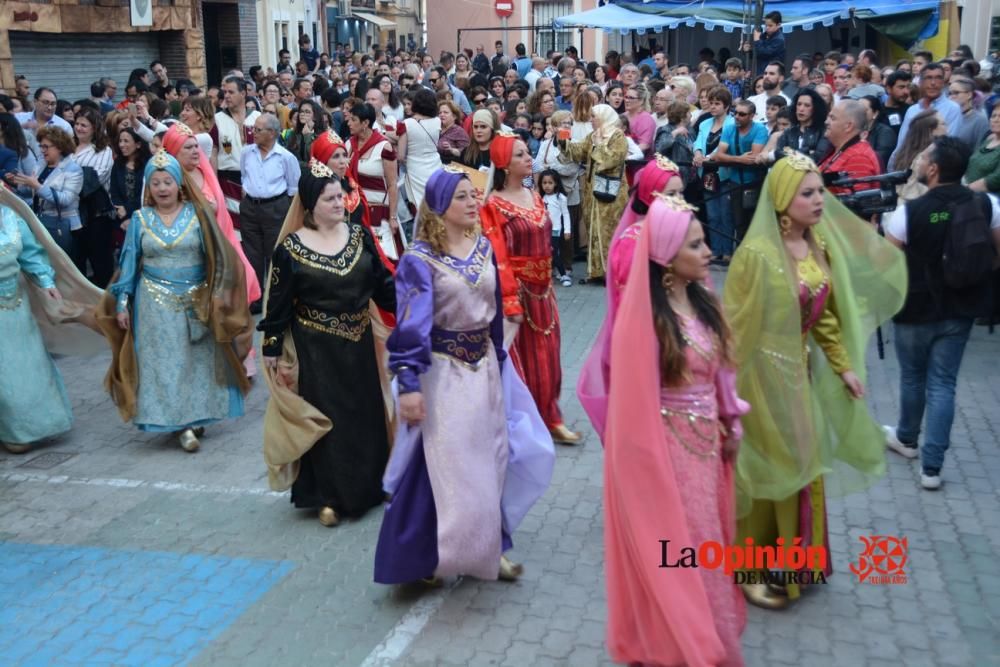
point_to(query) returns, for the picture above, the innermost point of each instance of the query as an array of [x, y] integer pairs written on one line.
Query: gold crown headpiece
[[666, 164], [676, 202], [184, 129], [798, 161], [333, 137], [162, 159], [319, 170], [453, 170]]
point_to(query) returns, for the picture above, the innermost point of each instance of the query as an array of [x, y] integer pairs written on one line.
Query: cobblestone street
[[116, 547]]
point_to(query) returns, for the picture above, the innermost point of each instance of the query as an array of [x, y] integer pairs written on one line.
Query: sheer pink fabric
[[642, 498], [173, 140]]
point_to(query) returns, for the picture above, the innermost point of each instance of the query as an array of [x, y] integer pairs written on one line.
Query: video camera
[[868, 202]]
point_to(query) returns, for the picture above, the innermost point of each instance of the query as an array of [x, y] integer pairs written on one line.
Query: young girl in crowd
[[551, 189]]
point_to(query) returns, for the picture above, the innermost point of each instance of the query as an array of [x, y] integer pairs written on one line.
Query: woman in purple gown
[[459, 483]]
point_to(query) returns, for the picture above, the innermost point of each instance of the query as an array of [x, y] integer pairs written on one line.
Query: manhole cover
[[48, 460]]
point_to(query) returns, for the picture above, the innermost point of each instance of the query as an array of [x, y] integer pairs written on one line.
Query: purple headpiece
[[441, 188]]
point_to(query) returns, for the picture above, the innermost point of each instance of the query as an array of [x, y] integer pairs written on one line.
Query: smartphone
[[132, 108]]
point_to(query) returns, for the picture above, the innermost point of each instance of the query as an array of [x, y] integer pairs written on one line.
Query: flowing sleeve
[[493, 229], [128, 264], [731, 406], [384, 294], [496, 326], [826, 333], [620, 261], [280, 297], [409, 344], [33, 259]]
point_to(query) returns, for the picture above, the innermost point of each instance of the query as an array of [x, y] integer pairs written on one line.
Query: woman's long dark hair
[[673, 364], [13, 135], [820, 110], [99, 137], [392, 99], [142, 152]]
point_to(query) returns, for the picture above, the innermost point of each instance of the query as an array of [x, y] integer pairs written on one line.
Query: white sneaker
[[930, 482], [893, 443], [566, 281]]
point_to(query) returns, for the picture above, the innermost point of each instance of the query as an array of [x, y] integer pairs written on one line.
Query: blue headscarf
[[441, 188], [163, 161]]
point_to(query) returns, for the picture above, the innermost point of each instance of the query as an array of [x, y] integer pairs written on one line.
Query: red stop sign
[[505, 8]]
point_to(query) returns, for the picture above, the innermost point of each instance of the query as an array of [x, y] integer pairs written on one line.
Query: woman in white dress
[[418, 144]]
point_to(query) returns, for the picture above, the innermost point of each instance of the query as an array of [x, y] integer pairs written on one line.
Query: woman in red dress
[[517, 224]]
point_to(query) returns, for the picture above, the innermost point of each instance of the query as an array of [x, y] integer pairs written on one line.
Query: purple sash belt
[[469, 347]]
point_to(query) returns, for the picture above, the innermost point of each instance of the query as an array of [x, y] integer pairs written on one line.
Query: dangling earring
[[668, 278], [785, 223]]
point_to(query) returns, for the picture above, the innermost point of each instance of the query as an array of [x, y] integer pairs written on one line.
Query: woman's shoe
[[509, 570], [761, 595], [432, 582], [328, 517], [565, 436], [189, 441], [17, 448]]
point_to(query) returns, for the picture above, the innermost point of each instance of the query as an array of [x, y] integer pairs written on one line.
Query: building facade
[[66, 45]]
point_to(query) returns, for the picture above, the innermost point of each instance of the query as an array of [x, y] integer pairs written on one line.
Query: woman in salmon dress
[[670, 418]]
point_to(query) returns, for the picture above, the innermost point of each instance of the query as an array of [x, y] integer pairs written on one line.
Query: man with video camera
[[951, 237], [852, 157]]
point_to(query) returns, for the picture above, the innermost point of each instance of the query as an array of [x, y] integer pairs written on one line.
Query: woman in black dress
[[326, 429]]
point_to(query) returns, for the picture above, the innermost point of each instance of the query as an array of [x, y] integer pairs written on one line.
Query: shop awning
[[378, 21], [625, 16]]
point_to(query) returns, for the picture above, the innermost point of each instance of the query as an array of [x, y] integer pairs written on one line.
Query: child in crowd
[[551, 189]]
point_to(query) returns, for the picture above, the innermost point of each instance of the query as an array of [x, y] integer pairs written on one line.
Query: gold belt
[[351, 326], [170, 299]]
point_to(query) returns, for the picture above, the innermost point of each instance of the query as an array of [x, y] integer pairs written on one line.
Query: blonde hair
[[560, 116], [430, 229]]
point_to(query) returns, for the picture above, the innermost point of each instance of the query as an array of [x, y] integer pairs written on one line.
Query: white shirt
[[28, 116], [228, 130], [760, 105], [532, 78], [895, 223]]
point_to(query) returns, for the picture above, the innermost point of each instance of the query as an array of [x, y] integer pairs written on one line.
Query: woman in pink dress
[[672, 430]]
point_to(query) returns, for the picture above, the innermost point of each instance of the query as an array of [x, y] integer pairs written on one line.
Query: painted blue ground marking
[[74, 605]]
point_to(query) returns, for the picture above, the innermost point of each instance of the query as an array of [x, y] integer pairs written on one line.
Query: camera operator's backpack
[[967, 256]]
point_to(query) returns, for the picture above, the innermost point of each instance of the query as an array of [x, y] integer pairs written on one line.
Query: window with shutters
[[542, 14]]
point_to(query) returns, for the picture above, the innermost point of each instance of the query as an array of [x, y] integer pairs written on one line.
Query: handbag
[[386, 239], [606, 188]]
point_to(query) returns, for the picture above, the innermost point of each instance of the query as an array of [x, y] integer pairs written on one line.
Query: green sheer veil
[[803, 423]]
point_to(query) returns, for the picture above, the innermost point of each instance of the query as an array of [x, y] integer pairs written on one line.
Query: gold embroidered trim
[[713, 439], [170, 299], [176, 236], [480, 257], [351, 326], [340, 265], [12, 302]]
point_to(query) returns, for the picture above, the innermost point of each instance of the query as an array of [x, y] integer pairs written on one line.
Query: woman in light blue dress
[[34, 274], [179, 302]]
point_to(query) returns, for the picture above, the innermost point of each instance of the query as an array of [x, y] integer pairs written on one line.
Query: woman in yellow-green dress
[[805, 291]]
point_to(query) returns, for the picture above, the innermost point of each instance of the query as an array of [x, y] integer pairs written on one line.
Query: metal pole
[[506, 37], [458, 40]]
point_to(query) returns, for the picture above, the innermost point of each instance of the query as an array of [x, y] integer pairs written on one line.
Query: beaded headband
[[666, 164], [319, 170], [162, 159]]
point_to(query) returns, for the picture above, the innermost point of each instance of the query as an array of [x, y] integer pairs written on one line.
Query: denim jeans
[[929, 357], [720, 221], [58, 229]]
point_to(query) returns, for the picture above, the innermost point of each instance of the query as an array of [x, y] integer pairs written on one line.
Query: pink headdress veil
[[173, 140], [642, 501], [649, 180]]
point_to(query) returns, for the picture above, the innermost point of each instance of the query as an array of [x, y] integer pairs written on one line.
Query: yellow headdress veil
[[803, 423]]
